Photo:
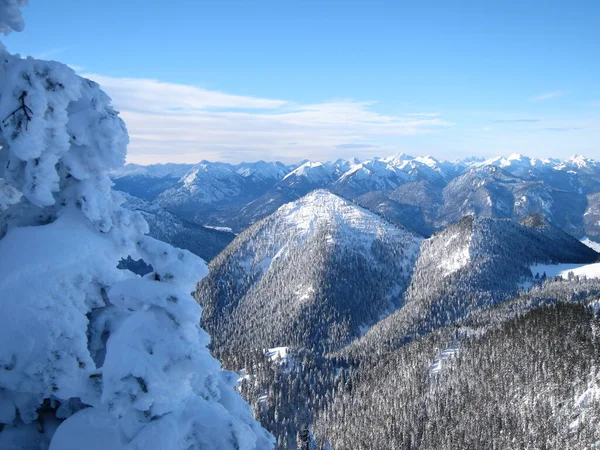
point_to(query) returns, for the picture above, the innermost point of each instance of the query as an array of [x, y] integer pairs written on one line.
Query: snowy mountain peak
[[578, 162], [299, 267], [262, 170], [428, 161], [398, 159], [345, 165], [152, 171], [207, 169], [313, 172], [321, 207], [517, 157]]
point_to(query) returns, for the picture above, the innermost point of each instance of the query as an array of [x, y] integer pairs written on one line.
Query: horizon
[[232, 81], [475, 159]]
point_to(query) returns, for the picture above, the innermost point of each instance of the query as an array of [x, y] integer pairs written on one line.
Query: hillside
[[313, 274], [473, 264]]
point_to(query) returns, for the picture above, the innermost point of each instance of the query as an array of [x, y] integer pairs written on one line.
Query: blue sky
[[322, 79]]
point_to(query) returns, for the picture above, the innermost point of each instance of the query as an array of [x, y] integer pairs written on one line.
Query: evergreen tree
[[93, 356]]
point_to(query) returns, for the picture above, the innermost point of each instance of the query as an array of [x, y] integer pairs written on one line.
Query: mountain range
[[381, 303], [337, 293], [422, 193]]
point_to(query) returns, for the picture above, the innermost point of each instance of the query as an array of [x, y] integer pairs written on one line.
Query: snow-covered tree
[[93, 356]]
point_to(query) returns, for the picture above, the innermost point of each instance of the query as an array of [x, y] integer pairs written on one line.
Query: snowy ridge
[[152, 171], [322, 208], [314, 173]]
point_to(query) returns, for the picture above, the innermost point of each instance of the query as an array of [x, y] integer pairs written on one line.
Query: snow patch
[[594, 245], [563, 270], [444, 358]]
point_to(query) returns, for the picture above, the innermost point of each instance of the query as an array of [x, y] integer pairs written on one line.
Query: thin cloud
[[434, 114], [152, 95], [355, 146], [563, 128], [517, 121], [174, 122], [548, 96]]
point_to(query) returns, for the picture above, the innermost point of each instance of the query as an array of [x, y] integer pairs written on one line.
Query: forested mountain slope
[[531, 381], [167, 227], [393, 400], [473, 264], [312, 275], [591, 218]]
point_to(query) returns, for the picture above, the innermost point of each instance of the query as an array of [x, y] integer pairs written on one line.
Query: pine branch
[[27, 112]]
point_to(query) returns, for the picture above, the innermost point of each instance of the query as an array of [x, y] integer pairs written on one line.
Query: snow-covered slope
[[211, 189], [595, 245], [371, 175], [310, 174], [474, 264], [566, 270], [311, 274]]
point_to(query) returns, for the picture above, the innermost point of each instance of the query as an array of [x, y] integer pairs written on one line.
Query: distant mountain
[[299, 182], [344, 165], [415, 205], [205, 184], [422, 193], [167, 227], [215, 189], [489, 191], [169, 170], [309, 176], [372, 175], [148, 181], [313, 274], [447, 169], [586, 170]]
